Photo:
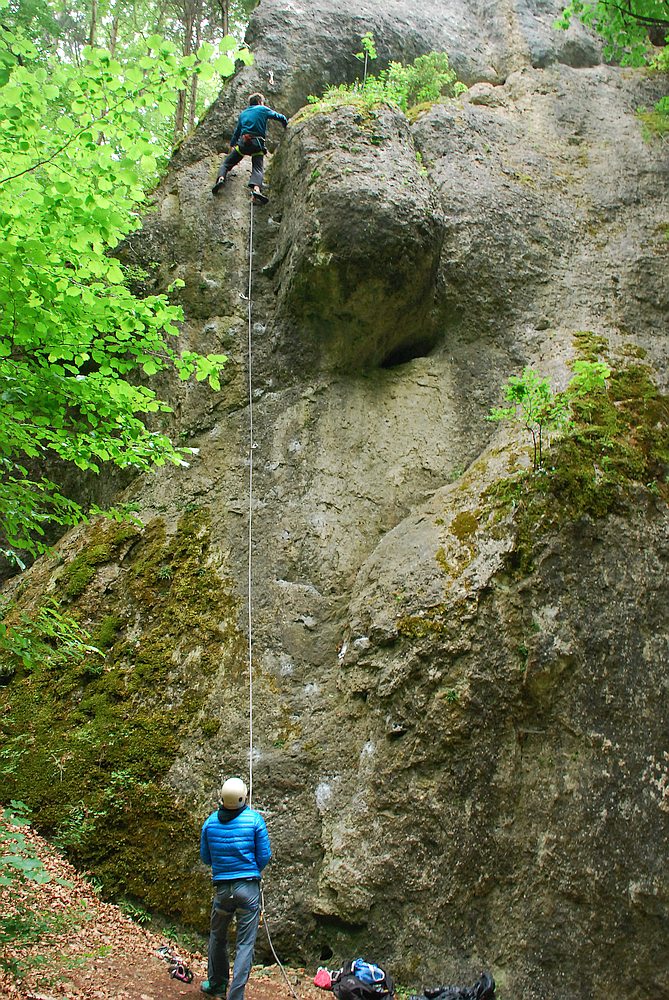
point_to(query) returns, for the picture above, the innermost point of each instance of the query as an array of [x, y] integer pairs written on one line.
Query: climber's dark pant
[[236, 155], [240, 897]]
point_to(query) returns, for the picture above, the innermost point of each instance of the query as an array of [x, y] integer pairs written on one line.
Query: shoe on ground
[[220, 183], [213, 991]]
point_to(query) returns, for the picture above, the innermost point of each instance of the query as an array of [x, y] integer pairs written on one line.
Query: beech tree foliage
[[635, 33], [66, 27], [77, 347], [628, 27]]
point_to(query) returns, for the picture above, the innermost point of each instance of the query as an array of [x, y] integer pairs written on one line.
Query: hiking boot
[[213, 991], [220, 182]]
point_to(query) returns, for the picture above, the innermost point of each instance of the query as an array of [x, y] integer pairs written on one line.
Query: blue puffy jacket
[[235, 843]]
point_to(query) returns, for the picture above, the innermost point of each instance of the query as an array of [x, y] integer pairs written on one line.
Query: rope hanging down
[[250, 521], [250, 582]]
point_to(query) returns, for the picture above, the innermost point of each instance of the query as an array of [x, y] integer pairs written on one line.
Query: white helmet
[[234, 793]]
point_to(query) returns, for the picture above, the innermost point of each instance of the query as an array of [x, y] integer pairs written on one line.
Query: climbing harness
[[250, 576]]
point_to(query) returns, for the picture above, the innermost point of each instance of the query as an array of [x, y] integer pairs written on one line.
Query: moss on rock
[[618, 444], [89, 742]]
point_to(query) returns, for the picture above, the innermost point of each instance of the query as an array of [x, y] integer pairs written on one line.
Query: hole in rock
[[407, 352], [326, 953]]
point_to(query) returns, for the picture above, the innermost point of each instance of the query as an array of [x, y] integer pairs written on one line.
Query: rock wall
[[460, 709]]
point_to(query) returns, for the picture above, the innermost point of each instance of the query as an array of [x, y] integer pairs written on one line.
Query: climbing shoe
[[213, 991], [259, 199], [220, 183]]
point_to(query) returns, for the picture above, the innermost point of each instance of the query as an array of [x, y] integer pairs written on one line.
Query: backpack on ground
[[483, 989], [360, 980]]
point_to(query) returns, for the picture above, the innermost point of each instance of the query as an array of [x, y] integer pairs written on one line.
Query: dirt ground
[[104, 980], [151, 981], [93, 950]]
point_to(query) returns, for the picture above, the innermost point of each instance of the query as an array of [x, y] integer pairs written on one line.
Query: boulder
[[460, 702]]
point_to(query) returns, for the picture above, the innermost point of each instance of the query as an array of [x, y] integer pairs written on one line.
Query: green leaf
[[205, 51], [224, 65]]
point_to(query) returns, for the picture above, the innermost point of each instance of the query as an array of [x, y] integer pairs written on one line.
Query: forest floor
[[72, 944]]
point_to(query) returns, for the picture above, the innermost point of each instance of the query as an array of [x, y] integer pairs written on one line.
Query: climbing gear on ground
[[323, 978], [483, 989], [233, 793], [368, 972], [348, 983], [213, 991], [178, 968], [181, 972]]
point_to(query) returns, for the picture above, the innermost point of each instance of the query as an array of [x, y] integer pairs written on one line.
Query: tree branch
[[641, 18]]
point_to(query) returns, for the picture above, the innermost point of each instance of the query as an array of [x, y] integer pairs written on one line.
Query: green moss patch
[[464, 524], [618, 444], [87, 741]]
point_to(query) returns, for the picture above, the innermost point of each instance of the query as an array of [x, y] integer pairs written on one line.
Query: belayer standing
[[235, 843], [248, 139]]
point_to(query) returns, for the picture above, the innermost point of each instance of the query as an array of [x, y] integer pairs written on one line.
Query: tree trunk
[[180, 115], [93, 22], [113, 37], [193, 102], [194, 79]]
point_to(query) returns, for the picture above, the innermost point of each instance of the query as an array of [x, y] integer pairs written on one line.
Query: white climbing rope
[[269, 941], [250, 582], [250, 521]]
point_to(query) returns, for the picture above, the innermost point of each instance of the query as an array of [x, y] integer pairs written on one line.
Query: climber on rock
[[235, 843], [248, 139]]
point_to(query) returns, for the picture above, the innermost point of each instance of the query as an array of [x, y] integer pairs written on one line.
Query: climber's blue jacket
[[253, 121], [235, 843]]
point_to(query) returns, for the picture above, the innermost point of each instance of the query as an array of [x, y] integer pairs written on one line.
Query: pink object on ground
[[323, 978]]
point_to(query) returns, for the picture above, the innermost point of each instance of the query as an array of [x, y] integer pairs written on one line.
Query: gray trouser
[[235, 156], [240, 896]]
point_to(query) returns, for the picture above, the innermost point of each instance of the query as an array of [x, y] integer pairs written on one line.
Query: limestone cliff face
[[460, 738]]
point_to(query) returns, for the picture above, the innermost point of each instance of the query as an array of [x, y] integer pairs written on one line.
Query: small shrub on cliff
[[47, 634], [427, 79], [534, 404], [614, 448], [368, 53]]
